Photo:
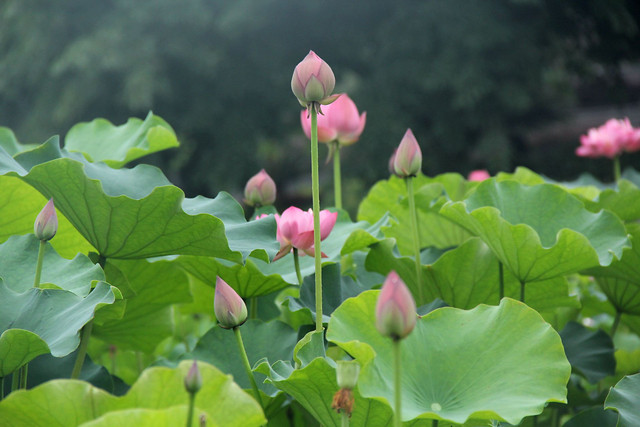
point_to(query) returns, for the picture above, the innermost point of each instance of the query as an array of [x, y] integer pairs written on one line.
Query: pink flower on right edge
[[295, 230], [610, 140]]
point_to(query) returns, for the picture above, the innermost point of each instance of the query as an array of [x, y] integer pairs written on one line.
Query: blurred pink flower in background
[[340, 121], [295, 230], [478, 175], [610, 140], [260, 190]]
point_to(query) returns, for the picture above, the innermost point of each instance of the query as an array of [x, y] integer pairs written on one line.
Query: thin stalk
[[36, 281], [315, 189], [616, 322], [337, 180], [434, 423], [140, 362], [416, 235], [501, 277], [616, 168], [296, 264], [397, 418], [522, 290], [345, 419], [253, 308], [23, 375], [247, 366], [82, 350], [2, 388], [15, 380], [192, 400]]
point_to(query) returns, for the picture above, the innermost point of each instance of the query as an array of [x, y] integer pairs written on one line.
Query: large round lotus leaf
[[590, 353], [17, 347], [72, 403], [137, 213], [493, 362], [467, 276], [101, 141], [435, 230], [541, 231], [20, 204], [18, 258], [54, 315], [625, 399]]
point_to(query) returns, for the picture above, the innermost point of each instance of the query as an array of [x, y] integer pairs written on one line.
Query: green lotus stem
[[23, 375], [315, 189], [1, 388], [337, 180], [434, 423], [15, 380], [616, 168], [296, 264], [192, 401], [247, 366], [36, 281], [416, 235], [345, 419], [522, 291], [82, 350], [253, 308], [501, 277], [616, 322], [397, 418], [140, 362]]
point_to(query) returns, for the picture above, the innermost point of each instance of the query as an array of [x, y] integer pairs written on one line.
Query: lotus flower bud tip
[[46, 224], [396, 309], [228, 306], [260, 190], [193, 380], [313, 81], [408, 157]]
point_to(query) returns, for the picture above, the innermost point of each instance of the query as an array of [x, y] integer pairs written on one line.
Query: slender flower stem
[[337, 180], [296, 264], [82, 350], [616, 168], [23, 375], [36, 281], [2, 388], [253, 308], [616, 322], [192, 400], [522, 290], [345, 419], [501, 277], [315, 189], [15, 380], [247, 366], [416, 236], [397, 383]]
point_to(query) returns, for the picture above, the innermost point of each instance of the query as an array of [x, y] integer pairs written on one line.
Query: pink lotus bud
[[260, 190], [193, 380], [610, 140], [229, 308], [313, 81], [46, 224], [392, 161], [478, 175], [408, 159], [396, 310], [340, 121], [295, 230]]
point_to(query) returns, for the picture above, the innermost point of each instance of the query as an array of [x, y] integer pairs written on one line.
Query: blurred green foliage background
[[477, 81]]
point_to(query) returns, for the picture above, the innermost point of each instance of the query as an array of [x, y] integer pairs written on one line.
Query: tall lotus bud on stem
[[228, 306], [347, 372], [46, 224], [408, 157], [260, 190], [313, 81], [396, 310], [193, 380]]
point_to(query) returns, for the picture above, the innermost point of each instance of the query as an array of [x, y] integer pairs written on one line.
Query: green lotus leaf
[[137, 213], [593, 417], [459, 365], [590, 353], [10, 143], [101, 141], [434, 229], [55, 316], [624, 398], [539, 232], [332, 246], [71, 402], [624, 201], [522, 175], [174, 416], [19, 206], [467, 276], [17, 347], [18, 258], [157, 286]]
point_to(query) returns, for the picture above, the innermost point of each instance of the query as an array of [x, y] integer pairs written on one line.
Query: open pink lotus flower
[[295, 230], [340, 122], [478, 175], [610, 140], [396, 309]]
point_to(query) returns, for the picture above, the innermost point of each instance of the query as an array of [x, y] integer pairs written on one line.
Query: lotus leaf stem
[[296, 264], [337, 180], [416, 236], [247, 366], [315, 189], [397, 383]]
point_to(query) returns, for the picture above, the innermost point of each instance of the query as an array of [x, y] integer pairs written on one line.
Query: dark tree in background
[[473, 79]]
